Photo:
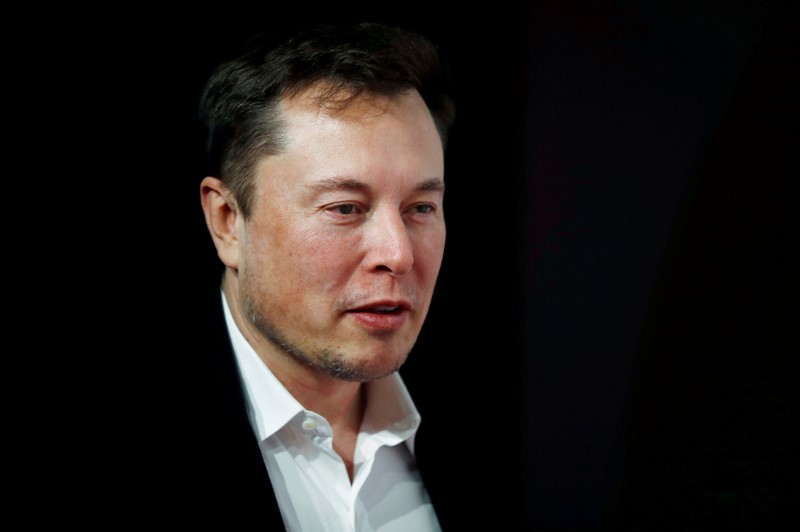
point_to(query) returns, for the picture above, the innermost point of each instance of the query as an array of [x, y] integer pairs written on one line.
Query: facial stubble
[[326, 360]]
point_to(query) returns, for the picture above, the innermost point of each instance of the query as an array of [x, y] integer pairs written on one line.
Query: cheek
[[428, 253], [298, 256], [317, 242]]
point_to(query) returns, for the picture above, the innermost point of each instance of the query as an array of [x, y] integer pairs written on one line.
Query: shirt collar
[[271, 405]]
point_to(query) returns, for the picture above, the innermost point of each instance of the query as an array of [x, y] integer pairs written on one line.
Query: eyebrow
[[346, 183]]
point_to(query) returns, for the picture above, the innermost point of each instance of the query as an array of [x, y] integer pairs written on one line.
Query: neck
[[340, 402]]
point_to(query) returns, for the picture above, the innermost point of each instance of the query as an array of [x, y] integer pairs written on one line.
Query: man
[[325, 205]]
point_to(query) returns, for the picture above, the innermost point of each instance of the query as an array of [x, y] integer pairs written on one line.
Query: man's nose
[[389, 244]]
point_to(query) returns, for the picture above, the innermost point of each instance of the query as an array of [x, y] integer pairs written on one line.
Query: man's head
[[327, 202], [239, 103]]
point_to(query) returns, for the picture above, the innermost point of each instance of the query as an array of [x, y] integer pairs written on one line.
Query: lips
[[383, 307], [381, 316]]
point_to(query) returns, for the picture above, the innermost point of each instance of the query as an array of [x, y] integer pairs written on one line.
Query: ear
[[222, 215]]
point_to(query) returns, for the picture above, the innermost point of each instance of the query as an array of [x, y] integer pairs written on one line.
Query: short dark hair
[[239, 102]]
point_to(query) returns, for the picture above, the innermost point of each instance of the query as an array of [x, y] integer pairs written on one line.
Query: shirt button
[[309, 424]]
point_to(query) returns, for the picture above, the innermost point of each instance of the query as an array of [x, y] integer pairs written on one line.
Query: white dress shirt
[[310, 480]]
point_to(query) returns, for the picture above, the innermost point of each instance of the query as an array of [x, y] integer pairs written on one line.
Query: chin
[[370, 368]]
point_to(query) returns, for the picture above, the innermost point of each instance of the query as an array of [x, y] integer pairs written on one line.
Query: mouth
[[383, 307], [382, 316]]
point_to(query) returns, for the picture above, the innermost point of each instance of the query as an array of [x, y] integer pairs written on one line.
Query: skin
[[331, 277]]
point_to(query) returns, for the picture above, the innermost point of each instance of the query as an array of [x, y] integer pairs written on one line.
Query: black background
[[614, 333]]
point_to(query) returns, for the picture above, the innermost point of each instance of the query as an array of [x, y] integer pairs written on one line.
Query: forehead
[[371, 139], [319, 107], [328, 94], [343, 103]]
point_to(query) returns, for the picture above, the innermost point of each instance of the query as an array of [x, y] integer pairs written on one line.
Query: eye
[[347, 208], [422, 209], [344, 211]]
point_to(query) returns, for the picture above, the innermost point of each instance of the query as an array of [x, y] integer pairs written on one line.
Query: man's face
[[339, 259]]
